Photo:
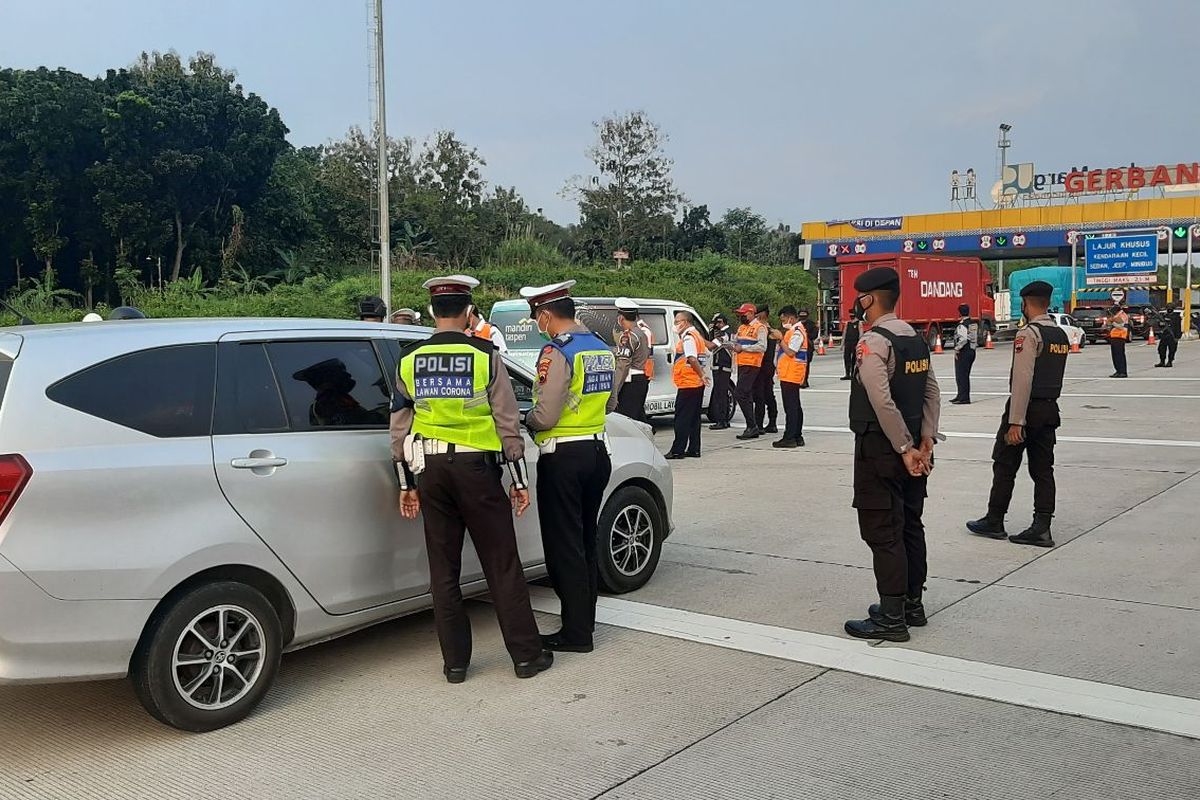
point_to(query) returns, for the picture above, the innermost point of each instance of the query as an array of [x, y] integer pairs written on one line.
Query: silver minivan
[[599, 314], [185, 500]]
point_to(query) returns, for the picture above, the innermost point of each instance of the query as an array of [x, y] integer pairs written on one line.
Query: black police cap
[[371, 306], [877, 278], [1037, 289]]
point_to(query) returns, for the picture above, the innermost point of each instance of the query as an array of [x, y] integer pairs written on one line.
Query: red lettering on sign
[[1161, 177], [1076, 182], [1137, 178], [1114, 179], [1094, 180], [1187, 174]]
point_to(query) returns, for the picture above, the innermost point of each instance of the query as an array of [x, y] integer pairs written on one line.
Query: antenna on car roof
[[24, 320]]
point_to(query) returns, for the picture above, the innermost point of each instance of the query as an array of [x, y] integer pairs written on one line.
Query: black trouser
[[570, 487], [631, 401], [848, 354], [963, 361], [890, 503], [811, 349], [745, 393], [793, 412], [765, 407], [688, 405], [1041, 421], [1118, 356], [1166, 349], [718, 401], [463, 491]]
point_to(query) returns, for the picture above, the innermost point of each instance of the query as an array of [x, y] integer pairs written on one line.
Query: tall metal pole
[[1187, 289], [385, 250], [1170, 265], [1074, 286]]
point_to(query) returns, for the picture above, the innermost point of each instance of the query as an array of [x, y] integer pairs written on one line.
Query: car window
[[334, 384], [248, 398], [657, 321], [165, 392], [600, 320], [1069, 321], [5, 369], [522, 388]]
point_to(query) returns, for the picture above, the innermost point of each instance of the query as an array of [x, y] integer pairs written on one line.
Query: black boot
[[990, 525], [914, 612], [528, 669], [1037, 534], [890, 626], [749, 433]]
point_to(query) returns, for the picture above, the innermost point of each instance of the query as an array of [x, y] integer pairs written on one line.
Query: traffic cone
[[937, 345], [820, 346], [987, 345], [1150, 339], [1075, 347]]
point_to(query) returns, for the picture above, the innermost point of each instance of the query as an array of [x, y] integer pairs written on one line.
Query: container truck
[[931, 289]]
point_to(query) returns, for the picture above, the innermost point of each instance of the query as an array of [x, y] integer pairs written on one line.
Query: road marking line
[[1019, 687], [1064, 394], [1073, 378], [1078, 439]]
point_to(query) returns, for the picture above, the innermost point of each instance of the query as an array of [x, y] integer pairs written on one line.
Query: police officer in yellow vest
[[454, 423], [574, 381], [895, 404]]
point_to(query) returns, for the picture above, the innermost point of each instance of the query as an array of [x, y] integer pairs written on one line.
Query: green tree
[[193, 137], [632, 199], [744, 231]]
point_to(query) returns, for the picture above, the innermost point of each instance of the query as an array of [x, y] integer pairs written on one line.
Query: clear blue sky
[[802, 110]]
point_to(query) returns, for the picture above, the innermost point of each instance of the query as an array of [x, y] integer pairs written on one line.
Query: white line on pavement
[[1064, 394], [1079, 439], [1077, 378], [1020, 687]]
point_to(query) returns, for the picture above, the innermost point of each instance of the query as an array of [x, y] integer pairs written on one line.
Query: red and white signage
[[1132, 178]]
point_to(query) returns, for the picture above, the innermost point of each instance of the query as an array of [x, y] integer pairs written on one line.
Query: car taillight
[[15, 472]]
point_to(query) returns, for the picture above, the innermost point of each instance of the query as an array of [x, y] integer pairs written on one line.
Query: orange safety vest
[[792, 369], [648, 367], [483, 332], [1123, 331], [686, 377], [748, 335]]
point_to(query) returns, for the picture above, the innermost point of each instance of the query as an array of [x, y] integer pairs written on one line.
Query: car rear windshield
[[520, 332], [5, 370], [1088, 313]]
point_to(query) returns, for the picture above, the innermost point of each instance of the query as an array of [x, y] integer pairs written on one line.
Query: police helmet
[[372, 307], [126, 312]]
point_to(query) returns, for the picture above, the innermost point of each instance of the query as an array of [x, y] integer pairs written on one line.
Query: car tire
[[729, 399], [203, 694], [629, 540]]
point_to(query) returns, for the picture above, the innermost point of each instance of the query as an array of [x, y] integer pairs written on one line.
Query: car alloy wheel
[[632, 541], [219, 657]]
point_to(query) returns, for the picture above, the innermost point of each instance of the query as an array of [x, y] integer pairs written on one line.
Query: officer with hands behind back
[[574, 382], [1030, 420], [454, 421], [895, 404]]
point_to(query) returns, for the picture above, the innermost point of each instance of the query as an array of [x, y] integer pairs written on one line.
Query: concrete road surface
[[1064, 673]]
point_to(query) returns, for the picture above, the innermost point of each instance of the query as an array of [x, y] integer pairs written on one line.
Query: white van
[[599, 314]]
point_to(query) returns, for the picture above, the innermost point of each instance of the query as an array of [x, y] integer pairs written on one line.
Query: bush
[[710, 283]]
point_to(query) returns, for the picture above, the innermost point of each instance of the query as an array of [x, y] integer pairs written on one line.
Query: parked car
[[1092, 321], [599, 314], [184, 500], [1075, 334]]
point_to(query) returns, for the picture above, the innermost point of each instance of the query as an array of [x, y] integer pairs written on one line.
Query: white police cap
[[627, 305], [540, 295], [451, 284]]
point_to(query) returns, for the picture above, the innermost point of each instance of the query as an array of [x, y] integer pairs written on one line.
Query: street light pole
[[385, 252]]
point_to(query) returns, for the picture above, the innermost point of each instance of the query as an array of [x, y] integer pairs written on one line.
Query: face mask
[[543, 331], [859, 311]]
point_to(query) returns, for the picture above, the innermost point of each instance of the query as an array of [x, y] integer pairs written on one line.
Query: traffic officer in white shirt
[[632, 350]]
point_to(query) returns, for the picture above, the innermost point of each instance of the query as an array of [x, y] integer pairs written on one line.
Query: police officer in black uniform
[[895, 403], [454, 422], [1030, 420], [722, 373], [849, 346]]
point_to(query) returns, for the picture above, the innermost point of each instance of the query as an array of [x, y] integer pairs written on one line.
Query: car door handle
[[257, 463]]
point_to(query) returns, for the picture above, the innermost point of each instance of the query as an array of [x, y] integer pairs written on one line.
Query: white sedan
[[1075, 333]]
